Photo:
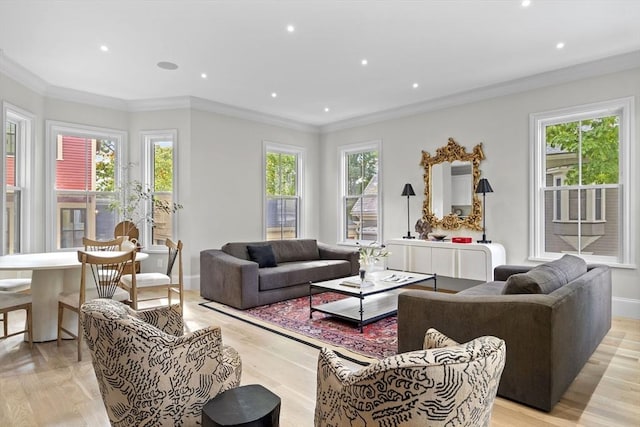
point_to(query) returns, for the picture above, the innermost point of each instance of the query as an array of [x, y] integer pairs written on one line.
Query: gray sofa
[[552, 321], [230, 276]]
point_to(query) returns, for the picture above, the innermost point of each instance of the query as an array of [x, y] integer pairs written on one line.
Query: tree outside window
[[282, 195]]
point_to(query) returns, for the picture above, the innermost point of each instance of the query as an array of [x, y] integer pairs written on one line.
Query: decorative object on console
[[461, 240], [408, 191], [423, 228], [484, 187], [370, 256], [438, 237]]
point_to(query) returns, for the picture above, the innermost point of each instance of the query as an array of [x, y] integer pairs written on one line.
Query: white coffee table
[[368, 303]]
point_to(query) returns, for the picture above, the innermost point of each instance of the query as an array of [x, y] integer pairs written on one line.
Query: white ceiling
[[447, 46]]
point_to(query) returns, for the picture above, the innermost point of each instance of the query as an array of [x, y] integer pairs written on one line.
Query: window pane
[[361, 200], [281, 174], [282, 218], [162, 221], [597, 141], [163, 166], [599, 150], [281, 181], [590, 235], [361, 168], [85, 186], [12, 237], [12, 188]]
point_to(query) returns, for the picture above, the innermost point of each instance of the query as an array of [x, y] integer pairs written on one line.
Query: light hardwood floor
[[46, 386]]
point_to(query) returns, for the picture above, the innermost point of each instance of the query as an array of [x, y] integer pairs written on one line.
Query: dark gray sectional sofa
[[230, 276], [552, 320]]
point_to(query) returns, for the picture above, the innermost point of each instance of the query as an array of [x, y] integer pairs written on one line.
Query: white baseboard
[[626, 307], [192, 283]]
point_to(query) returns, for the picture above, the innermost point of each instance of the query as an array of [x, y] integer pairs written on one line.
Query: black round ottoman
[[245, 406]]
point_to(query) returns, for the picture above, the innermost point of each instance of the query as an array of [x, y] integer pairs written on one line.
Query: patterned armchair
[[148, 372], [444, 384]]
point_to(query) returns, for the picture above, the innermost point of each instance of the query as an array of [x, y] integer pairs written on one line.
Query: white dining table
[[52, 273]]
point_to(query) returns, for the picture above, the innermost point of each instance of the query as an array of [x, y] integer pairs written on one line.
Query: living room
[[221, 149]]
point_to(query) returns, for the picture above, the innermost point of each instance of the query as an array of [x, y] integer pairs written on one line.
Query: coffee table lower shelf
[[376, 307], [366, 304]]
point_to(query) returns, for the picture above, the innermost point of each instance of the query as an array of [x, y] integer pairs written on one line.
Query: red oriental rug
[[291, 319]]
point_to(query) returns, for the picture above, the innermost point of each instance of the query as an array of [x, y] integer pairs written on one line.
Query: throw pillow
[[547, 277], [521, 283], [263, 255]]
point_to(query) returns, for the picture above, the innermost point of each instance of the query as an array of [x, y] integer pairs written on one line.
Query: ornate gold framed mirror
[[450, 179]]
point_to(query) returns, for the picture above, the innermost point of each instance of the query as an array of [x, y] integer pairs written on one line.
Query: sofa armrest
[[526, 323], [227, 279], [502, 272], [334, 252]]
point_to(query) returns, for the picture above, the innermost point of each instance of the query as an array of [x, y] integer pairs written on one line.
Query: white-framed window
[[581, 174], [84, 172], [17, 149], [361, 201], [282, 172], [160, 172]]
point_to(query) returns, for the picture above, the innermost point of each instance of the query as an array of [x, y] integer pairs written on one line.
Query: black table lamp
[[484, 187], [408, 191]]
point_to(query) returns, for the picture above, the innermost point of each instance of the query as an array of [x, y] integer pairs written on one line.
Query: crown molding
[[243, 113], [72, 95], [202, 104], [577, 72], [21, 75], [159, 104]]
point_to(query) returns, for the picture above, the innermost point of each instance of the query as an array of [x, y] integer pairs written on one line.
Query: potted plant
[[134, 209], [370, 257]]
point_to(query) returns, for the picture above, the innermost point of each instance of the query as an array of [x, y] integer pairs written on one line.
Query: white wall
[[226, 175], [502, 125]]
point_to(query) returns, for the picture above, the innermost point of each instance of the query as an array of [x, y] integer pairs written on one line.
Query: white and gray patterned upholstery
[[148, 372], [447, 384]]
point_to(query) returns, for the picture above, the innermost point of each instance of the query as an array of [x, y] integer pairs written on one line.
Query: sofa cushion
[[546, 277], [483, 289], [301, 272], [263, 255], [295, 250]]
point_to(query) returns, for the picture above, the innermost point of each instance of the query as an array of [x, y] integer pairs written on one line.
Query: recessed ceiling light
[[203, 75], [415, 85], [526, 3], [166, 65], [326, 109], [104, 48], [560, 45], [364, 62], [274, 95], [291, 28]]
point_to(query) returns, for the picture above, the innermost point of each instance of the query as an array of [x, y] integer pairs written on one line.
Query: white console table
[[474, 261]]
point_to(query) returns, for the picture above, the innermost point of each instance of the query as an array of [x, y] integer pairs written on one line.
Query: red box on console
[[461, 239]]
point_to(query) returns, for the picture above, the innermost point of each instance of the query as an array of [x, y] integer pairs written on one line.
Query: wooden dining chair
[[14, 301], [102, 245], [99, 278], [158, 281]]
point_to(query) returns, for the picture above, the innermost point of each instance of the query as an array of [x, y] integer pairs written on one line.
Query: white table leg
[[45, 286]]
